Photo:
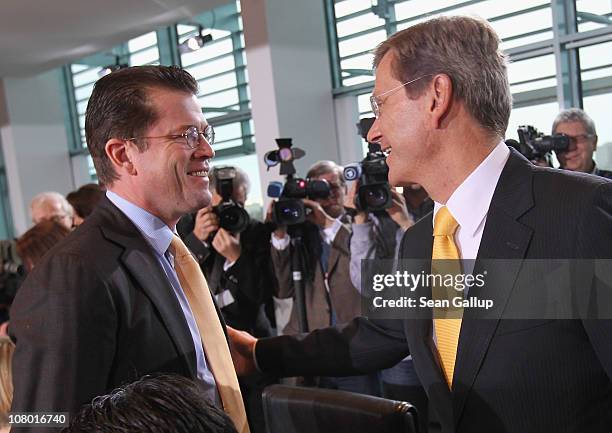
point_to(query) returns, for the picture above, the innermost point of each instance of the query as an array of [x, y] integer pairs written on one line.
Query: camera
[[12, 274], [374, 192], [534, 145], [290, 209], [232, 216]]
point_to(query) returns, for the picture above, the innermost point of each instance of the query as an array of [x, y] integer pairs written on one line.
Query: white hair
[[48, 198]]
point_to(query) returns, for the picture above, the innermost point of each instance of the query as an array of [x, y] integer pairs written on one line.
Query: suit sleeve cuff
[[255, 358]]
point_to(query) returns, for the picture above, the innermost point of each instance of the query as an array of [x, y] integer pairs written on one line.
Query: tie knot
[[178, 249], [445, 224]]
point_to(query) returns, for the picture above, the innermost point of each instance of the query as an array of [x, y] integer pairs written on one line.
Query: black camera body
[[12, 274], [232, 216], [290, 209], [374, 192], [534, 145]]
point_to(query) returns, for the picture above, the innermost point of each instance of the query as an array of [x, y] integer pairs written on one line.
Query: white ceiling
[[40, 35]]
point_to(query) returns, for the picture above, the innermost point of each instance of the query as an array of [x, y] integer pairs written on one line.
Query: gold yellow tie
[[214, 342], [447, 330]]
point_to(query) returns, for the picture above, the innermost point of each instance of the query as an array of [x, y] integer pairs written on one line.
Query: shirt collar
[[469, 203], [154, 230]]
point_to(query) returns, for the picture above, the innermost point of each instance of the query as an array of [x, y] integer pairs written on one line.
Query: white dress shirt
[[470, 202]]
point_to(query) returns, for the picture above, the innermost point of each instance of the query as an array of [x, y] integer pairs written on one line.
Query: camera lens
[[289, 212], [232, 217], [374, 197], [317, 188]]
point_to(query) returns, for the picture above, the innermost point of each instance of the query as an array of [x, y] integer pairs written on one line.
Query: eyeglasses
[[191, 135], [580, 138], [376, 102]]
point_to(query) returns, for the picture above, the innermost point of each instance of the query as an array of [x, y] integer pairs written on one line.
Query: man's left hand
[[318, 215], [242, 348], [227, 245]]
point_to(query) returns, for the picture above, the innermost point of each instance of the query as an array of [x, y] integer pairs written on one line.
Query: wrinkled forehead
[[573, 127]]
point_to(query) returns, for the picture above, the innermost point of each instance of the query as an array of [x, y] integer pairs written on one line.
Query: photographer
[[236, 265], [330, 297], [580, 129]]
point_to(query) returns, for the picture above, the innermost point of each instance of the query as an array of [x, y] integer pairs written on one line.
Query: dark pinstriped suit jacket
[[519, 376]]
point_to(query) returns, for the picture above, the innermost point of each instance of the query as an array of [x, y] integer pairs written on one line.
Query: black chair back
[[290, 409]]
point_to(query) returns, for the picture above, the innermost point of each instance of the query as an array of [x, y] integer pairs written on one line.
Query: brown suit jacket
[[345, 298]]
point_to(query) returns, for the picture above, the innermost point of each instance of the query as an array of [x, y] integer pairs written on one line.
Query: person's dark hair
[[85, 199], [35, 243], [160, 404], [119, 107]]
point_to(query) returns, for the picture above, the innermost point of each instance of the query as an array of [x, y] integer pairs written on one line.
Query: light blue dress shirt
[[159, 236]]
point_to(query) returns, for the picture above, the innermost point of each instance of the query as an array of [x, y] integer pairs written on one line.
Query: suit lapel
[[144, 267], [504, 237]]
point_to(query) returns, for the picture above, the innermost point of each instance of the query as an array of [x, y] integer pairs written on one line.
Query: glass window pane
[[358, 24], [218, 100], [76, 68], [540, 116], [236, 143], [361, 43], [86, 75], [212, 67], [593, 14], [218, 78], [361, 62], [357, 80], [145, 41], [351, 6], [228, 132], [531, 74], [596, 61], [598, 107], [83, 93], [208, 51], [146, 57], [82, 106], [221, 82]]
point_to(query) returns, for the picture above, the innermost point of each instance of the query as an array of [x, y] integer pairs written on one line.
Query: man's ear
[[119, 153], [442, 96]]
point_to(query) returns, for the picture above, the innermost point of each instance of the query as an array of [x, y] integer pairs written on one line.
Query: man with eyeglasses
[[122, 297], [580, 129], [442, 102]]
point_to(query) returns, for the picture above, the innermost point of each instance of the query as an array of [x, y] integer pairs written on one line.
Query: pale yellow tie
[[447, 330], [214, 342]]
